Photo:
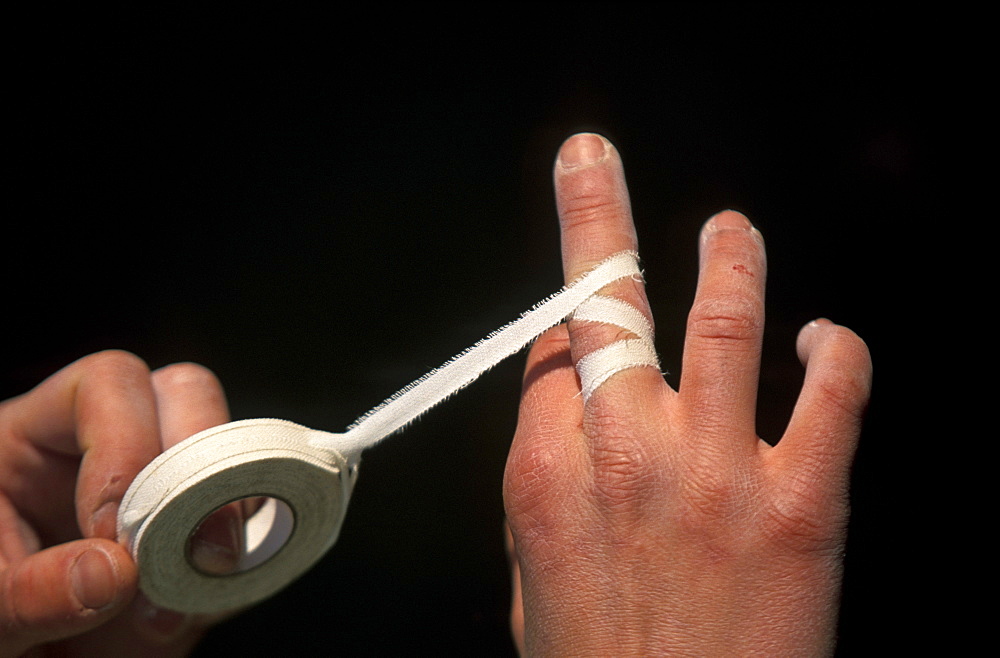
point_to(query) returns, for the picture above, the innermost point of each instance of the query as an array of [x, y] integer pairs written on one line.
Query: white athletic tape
[[611, 310], [409, 403], [598, 366], [312, 473], [170, 498]]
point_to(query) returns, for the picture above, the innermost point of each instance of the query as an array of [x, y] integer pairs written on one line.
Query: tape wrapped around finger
[[309, 475]]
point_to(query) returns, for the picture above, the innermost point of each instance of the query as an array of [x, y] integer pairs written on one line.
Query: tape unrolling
[[312, 473], [179, 489]]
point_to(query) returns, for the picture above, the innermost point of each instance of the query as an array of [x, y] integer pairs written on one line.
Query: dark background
[[321, 208]]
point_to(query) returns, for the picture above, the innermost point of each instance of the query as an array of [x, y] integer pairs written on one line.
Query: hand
[[650, 521], [68, 451]]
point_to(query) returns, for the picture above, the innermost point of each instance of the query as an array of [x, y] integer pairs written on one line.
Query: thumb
[[63, 591]]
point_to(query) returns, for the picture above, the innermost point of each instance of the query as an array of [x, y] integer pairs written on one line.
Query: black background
[[321, 208]]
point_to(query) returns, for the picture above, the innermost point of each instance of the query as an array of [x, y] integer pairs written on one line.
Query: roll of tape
[[312, 473], [272, 458]]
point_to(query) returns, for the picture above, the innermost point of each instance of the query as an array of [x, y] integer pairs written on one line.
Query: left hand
[[68, 451]]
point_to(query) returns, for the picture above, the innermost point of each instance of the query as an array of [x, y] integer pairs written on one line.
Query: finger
[[592, 199], [725, 327], [544, 487], [596, 222], [101, 407], [550, 386], [190, 399], [18, 539], [63, 591], [543, 465], [823, 432]]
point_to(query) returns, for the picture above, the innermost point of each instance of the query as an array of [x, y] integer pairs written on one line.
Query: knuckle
[[712, 512], [732, 318], [585, 210], [709, 497], [116, 363], [186, 375], [533, 477], [622, 477], [843, 395], [626, 472], [845, 383], [801, 519], [111, 373]]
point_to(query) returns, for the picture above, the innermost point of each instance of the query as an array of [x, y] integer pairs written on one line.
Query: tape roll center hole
[[224, 545]]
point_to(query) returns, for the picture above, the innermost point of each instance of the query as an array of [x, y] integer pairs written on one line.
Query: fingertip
[[825, 427], [115, 365], [592, 201], [843, 342], [728, 219], [103, 523], [837, 358], [181, 384], [184, 375], [807, 337], [189, 398]]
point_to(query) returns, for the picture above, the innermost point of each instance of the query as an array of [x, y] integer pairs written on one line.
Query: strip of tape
[[310, 474]]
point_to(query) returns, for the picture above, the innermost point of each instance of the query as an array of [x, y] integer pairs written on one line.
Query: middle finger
[[722, 348], [596, 222]]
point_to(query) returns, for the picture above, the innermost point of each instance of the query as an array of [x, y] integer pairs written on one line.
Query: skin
[[655, 522], [68, 451], [647, 522]]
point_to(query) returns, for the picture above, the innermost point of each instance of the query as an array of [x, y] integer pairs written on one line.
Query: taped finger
[[612, 332]]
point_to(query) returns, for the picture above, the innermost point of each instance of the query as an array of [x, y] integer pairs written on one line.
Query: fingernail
[[806, 336], [104, 521], [94, 579], [811, 327], [583, 150], [728, 219], [217, 546]]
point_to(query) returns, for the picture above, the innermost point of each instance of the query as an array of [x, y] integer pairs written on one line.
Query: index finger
[[102, 408]]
